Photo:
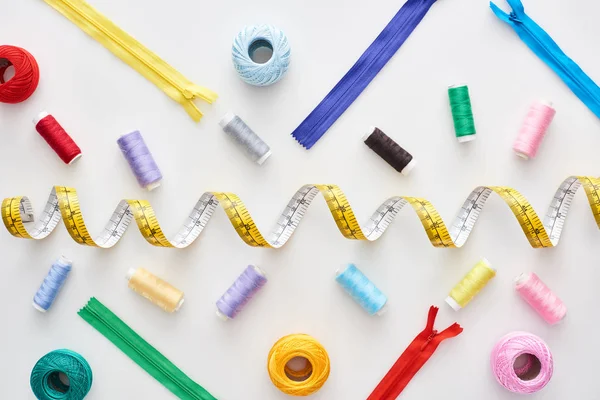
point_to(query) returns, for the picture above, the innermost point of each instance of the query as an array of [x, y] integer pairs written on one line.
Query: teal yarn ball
[[48, 376], [246, 44]]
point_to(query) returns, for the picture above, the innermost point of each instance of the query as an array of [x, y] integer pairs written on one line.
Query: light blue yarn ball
[[249, 40]]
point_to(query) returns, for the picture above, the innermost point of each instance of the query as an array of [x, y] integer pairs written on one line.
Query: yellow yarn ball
[[289, 381]]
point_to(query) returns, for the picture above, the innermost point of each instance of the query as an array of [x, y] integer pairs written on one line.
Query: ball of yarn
[[250, 39], [26, 78], [518, 379], [306, 381], [47, 383]]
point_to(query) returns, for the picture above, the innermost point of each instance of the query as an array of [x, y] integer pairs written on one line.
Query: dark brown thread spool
[[390, 151]]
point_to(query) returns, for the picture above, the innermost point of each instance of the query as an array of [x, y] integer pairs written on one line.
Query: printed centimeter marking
[[63, 203]]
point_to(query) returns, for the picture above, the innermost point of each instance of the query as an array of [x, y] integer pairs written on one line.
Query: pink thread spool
[[534, 129], [511, 350], [540, 297]]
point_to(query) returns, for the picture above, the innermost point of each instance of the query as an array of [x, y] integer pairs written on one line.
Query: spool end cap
[[452, 303], [261, 160], [465, 139], [227, 118], [369, 133], [409, 167], [40, 117]]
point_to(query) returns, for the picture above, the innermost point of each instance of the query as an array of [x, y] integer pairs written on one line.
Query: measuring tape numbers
[[63, 203]]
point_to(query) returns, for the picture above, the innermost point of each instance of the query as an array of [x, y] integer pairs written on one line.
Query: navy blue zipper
[[546, 49], [362, 73]]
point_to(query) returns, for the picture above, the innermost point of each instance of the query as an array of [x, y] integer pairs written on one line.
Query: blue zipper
[[362, 73], [545, 48]]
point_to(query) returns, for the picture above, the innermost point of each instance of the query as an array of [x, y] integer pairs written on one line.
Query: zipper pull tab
[[429, 339]]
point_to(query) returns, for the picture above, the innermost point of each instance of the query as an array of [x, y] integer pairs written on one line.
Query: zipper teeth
[[362, 71], [556, 60], [97, 314]]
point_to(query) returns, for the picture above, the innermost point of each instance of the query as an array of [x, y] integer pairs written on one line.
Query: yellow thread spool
[[159, 292], [308, 379], [475, 280]]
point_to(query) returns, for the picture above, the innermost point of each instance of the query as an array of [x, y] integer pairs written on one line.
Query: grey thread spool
[[252, 144]]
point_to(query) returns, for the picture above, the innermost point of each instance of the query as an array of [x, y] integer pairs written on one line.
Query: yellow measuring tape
[[63, 203]]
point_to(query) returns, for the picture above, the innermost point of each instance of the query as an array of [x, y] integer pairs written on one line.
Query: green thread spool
[[462, 113], [61, 375]]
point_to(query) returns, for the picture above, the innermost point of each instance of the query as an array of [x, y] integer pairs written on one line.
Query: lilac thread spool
[[140, 160], [242, 290]]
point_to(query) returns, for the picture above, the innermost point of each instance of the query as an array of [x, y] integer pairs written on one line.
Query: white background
[[97, 97]]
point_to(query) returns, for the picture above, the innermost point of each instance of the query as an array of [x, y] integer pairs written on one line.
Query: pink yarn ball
[[530, 379]]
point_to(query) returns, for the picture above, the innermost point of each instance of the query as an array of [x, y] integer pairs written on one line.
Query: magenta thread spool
[[240, 292], [534, 128]]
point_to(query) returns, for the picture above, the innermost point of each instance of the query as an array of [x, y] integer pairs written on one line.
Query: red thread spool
[[27, 74], [57, 138]]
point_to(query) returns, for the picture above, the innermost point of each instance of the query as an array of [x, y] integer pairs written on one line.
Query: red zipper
[[414, 357]]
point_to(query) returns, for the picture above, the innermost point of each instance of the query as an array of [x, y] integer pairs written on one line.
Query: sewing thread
[[57, 138], [386, 148], [54, 281], [27, 74], [252, 38], [240, 292], [140, 160], [159, 292], [362, 290], [534, 129], [462, 113], [46, 382], [472, 283], [302, 382], [540, 298], [244, 136], [504, 357]]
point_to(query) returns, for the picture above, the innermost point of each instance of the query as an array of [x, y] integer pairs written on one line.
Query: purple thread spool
[[140, 160], [242, 290]]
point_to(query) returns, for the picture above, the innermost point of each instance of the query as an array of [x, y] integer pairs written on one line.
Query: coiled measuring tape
[[63, 203]]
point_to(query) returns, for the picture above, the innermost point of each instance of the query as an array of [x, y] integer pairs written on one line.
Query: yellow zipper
[[120, 43]]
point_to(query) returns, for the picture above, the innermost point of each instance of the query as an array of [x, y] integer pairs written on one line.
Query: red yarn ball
[[27, 74]]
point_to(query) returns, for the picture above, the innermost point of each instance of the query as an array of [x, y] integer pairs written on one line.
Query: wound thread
[[27, 74], [159, 292], [386, 148], [362, 290], [57, 138], [462, 113], [240, 292], [534, 129], [140, 160], [472, 283], [256, 149], [54, 281], [539, 296], [522, 380]]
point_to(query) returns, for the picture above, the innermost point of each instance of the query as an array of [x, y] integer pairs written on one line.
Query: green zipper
[[140, 351]]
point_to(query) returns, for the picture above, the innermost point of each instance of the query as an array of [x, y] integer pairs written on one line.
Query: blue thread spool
[[254, 39], [362, 290], [59, 271], [61, 375]]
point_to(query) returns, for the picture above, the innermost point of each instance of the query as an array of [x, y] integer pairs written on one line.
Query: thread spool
[[510, 350], [362, 290], [159, 292], [472, 283], [26, 78], [240, 292], [57, 138], [298, 365], [386, 148], [534, 128], [540, 298], [140, 160], [61, 374], [256, 70], [462, 113], [54, 281], [256, 149]]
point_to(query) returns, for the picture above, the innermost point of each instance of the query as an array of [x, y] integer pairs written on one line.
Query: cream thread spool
[[472, 283], [158, 291]]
